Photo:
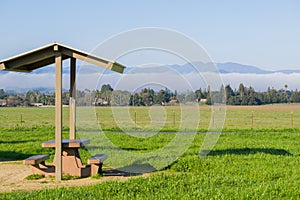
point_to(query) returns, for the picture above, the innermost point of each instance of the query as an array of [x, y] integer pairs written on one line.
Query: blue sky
[[261, 33]]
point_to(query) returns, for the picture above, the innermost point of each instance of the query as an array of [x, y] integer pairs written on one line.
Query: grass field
[[170, 117], [248, 162]]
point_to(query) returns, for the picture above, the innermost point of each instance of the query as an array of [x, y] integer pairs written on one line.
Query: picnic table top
[[66, 143]]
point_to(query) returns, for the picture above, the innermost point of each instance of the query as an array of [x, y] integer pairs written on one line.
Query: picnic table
[[70, 157], [71, 161]]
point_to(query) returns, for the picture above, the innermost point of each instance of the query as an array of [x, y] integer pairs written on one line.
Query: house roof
[[43, 56]]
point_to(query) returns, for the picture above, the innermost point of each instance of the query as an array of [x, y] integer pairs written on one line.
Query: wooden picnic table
[[72, 144], [71, 161]]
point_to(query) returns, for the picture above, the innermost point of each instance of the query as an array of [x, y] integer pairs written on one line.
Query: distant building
[[3, 103], [100, 102], [174, 102], [203, 100], [36, 104]]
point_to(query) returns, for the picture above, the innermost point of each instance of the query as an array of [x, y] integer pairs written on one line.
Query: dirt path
[[12, 178]]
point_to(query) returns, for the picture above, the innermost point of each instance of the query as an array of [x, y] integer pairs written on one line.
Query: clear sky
[[261, 33]]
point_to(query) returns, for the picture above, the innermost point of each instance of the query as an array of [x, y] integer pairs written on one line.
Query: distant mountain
[[223, 68], [230, 67], [288, 71], [46, 90]]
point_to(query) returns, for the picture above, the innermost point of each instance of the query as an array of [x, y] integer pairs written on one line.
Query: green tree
[[199, 94], [105, 93], [190, 97], [241, 90], [162, 97], [42, 99], [209, 96], [147, 96], [3, 94], [230, 100], [106, 88], [136, 100], [50, 99], [295, 97], [120, 98]]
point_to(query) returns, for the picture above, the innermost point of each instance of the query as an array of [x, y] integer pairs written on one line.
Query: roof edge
[[15, 63]]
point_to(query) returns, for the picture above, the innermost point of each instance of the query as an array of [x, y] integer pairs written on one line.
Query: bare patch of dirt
[[13, 174]]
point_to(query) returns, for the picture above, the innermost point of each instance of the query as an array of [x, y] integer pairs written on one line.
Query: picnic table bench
[[37, 159], [96, 162], [38, 166]]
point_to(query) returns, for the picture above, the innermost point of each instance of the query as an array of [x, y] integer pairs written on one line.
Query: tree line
[[107, 96], [248, 96]]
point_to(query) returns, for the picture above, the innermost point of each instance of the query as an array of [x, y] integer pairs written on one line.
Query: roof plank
[[44, 56]]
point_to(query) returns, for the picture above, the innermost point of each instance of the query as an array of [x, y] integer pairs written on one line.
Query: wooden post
[[72, 102], [21, 120], [58, 117]]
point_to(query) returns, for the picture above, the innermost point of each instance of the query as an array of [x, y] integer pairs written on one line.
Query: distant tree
[[222, 95], [105, 93], [50, 99], [229, 95], [42, 99], [65, 98], [88, 98], [229, 91], [273, 96], [147, 96], [252, 99], [241, 90], [295, 97], [162, 97], [175, 94], [120, 98], [286, 86], [3, 94], [199, 94], [136, 100], [106, 88], [209, 96], [190, 97], [180, 98], [282, 96]]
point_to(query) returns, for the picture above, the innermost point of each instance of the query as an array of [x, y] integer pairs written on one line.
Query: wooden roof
[[45, 55]]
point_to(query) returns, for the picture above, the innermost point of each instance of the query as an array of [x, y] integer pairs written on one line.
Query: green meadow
[[158, 118], [256, 157]]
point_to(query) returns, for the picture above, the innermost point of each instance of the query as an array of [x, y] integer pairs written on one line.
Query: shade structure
[[56, 53], [45, 55]]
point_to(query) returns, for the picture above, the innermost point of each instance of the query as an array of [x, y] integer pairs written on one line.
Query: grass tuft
[[35, 177], [97, 176], [69, 177]]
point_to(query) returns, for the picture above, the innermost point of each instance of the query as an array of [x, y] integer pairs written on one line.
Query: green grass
[[248, 162], [123, 118], [244, 164], [22, 142], [35, 176]]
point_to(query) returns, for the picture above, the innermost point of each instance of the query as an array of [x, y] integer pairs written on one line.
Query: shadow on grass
[[117, 172], [247, 151], [94, 148], [12, 156], [16, 141], [134, 169]]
